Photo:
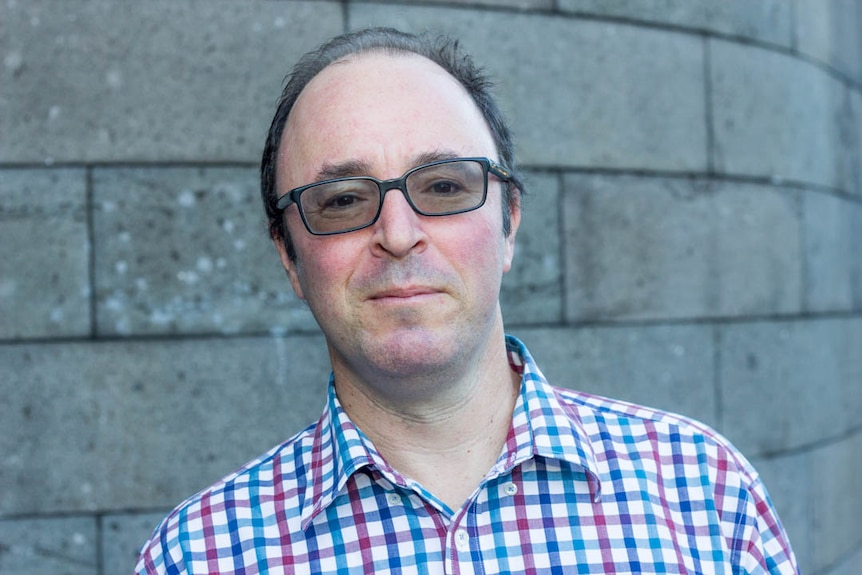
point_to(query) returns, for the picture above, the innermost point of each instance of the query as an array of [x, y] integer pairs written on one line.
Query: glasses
[[441, 188]]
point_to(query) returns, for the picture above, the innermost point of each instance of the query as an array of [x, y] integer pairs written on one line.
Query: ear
[[514, 223], [290, 266]]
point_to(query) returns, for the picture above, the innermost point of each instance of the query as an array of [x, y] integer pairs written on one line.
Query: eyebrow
[[342, 170], [353, 168]]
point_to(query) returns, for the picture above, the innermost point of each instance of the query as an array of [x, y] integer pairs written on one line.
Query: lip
[[404, 294]]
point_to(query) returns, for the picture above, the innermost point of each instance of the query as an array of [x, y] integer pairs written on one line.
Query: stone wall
[[692, 241]]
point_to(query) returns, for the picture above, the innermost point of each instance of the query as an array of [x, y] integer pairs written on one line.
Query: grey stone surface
[[792, 486], [665, 367], [847, 565], [111, 426], [849, 155], [172, 80], [831, 31], [837, 520], [853, 137], [518, 4], [44, 253], [532, 290], [856, 274], [66, 545], [185, 250], [765, 21], [641, 248], [790, 385], [777, 116], [833, 260], [123, 536], [597, 94]]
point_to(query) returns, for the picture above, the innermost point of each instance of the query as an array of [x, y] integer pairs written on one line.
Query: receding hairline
[[376, 52], [373, 53]]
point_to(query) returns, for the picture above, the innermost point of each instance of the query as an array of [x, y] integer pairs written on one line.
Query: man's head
[[401, 285], [442, 51]]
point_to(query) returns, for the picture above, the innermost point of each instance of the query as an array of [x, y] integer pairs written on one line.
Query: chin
[[413, 352]]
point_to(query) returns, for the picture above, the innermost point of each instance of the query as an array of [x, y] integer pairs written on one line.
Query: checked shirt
[[583, 485]]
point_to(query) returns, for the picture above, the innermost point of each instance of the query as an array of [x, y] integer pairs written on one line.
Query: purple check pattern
[[584, 485]]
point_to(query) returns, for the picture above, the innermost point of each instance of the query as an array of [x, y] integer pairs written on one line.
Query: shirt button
[[511, 489], [462, 540], [393, 499]]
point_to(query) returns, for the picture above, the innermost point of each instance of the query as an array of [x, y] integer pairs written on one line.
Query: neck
[[447, 437]]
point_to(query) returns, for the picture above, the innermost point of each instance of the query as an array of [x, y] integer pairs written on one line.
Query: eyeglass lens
[[351, 203]]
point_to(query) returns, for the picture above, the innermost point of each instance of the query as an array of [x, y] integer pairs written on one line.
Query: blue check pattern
[[584, 484]]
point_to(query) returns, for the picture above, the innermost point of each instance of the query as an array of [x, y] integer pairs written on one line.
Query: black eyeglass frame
[[384, 186]]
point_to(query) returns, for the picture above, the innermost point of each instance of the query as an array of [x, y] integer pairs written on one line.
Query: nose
[[398, 231]]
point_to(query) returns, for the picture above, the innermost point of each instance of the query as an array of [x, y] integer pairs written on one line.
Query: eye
[[335, 199], [444, 188], [341, 201]]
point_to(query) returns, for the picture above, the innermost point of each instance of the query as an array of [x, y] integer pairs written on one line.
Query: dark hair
[[441, 50]]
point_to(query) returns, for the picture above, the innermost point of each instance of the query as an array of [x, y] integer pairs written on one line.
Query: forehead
[[381, 110]]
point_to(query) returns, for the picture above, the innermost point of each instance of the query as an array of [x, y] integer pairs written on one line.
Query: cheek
[[316, 274], [321, 285], [325, 267], [480, 249]]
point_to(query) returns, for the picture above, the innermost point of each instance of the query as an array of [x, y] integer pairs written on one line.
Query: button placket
[[393, 499], [462, 540]]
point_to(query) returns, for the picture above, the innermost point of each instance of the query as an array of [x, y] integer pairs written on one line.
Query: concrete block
[[837, 520], [95, 80], [532, 290], [601, 94], [143, 425], [186, 250], [44, 253], [666, 367], [856, 273], [767, 21], [790, 482], [831, 31], [832, 258], [777, 116], [854, 141], [122, 538], [67, 545], [639, 248], [851, 371], [517, 4], [787, 385], [848, 565], [849, 154]]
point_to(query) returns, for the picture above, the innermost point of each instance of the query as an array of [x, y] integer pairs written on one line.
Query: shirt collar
[[339, 449], [542, 425], [545, 426]]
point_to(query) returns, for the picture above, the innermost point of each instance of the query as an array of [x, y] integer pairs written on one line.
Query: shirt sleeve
[[750, 523], [161, 555]]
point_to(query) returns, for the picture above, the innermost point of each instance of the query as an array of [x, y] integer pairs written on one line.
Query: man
[[394, 202]]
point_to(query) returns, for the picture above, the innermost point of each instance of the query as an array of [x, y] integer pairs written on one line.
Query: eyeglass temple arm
[[499, 171], [285, 201]]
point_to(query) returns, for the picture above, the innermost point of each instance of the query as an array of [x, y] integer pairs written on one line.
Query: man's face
[[410, 293]]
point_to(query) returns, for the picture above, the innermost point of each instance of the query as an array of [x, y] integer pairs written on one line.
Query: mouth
[[405, 294]]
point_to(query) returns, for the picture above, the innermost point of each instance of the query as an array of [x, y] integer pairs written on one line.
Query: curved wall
[[692, 241]]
